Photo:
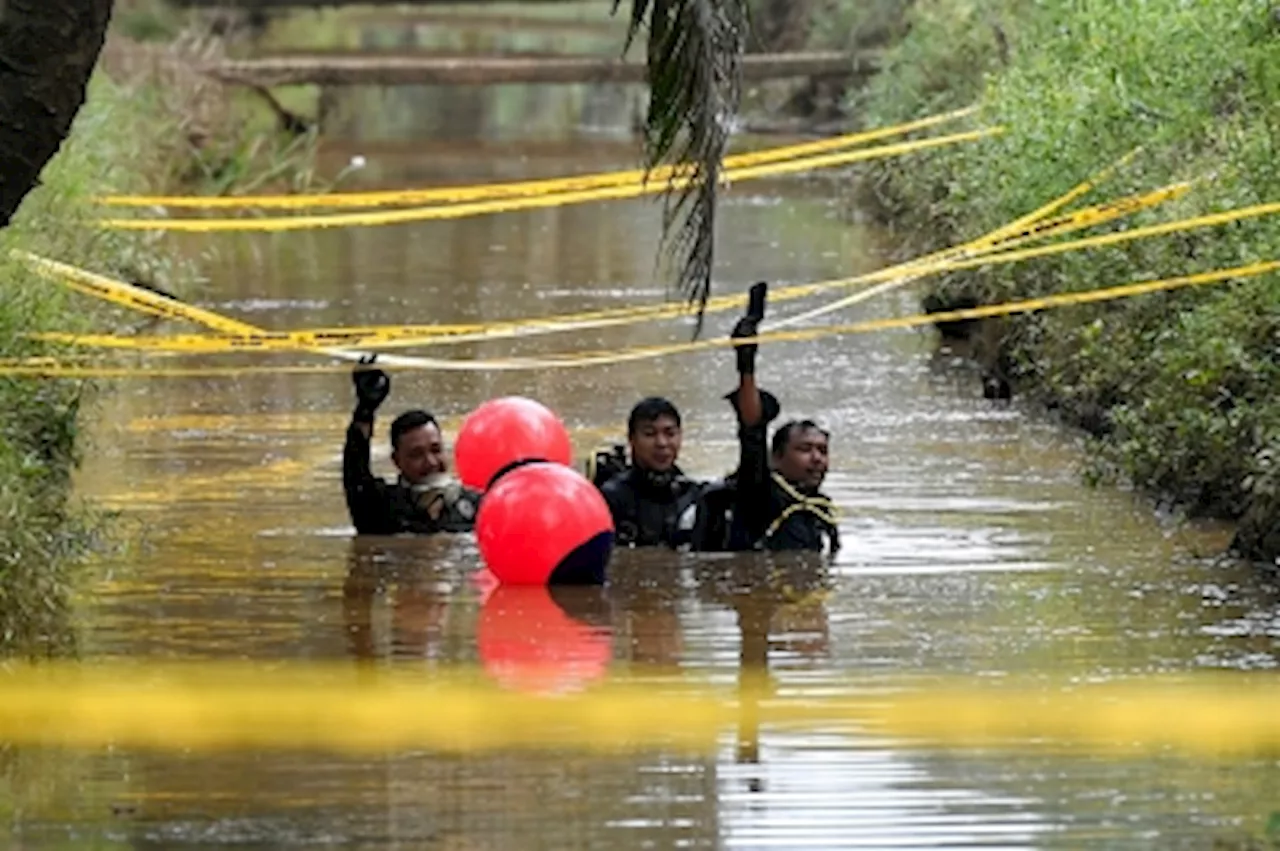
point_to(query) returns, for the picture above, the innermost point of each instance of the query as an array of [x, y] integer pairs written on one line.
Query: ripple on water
[[971, 549]]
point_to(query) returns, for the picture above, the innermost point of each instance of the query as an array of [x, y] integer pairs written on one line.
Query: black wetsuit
[[379, 508], [652, 510], [759, 510]]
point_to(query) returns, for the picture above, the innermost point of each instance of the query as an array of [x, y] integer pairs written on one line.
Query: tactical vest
[[714, 521]]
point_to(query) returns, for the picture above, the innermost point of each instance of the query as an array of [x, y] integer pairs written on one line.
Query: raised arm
[[747, 400], [755, 409], [366, 494]]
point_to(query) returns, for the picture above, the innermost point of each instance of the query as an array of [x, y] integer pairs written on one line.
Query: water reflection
[[415, 594], [970, 549]]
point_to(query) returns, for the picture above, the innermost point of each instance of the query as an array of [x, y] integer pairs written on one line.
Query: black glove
[[372, 387], [749, 326]]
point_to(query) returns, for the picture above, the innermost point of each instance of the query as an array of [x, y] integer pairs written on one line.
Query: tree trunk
[[47, 52]]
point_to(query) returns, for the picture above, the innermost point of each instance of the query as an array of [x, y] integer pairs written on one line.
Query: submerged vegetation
[[1177, 390]]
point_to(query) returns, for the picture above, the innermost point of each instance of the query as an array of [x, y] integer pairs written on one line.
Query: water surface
[[971, 548]]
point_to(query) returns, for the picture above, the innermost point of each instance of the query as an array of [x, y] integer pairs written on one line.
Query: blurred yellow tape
[[504, 205], [604, 358], [453, 194], [358, 710]]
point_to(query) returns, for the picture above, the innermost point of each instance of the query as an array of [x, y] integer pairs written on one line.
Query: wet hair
[[782, 437], [650, 410], [407, 422]]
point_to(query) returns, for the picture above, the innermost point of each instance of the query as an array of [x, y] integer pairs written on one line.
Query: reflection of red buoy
[[485, 583], [545, 524], [504, 431], [529, 643]]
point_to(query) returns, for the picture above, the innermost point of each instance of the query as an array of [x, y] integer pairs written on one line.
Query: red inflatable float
[[545, 524], [505, 431]]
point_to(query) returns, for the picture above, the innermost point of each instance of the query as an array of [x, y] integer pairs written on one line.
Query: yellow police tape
[[1005, 236], [137, 298], [418, 335], [127, 295], [504, 205], [365, 710], [404, 337], [1083, 188], [607, 357], [1088, 217], [452, 194]]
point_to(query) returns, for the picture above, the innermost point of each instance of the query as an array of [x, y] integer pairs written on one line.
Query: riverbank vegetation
[[1177, 391], [42, 532], [149, 124]]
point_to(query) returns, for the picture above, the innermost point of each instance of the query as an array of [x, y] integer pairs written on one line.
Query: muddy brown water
[[971, 548]]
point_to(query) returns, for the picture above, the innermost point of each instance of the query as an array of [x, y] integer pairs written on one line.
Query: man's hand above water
[[372, 387]]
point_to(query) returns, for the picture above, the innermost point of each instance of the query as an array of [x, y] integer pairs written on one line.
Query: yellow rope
[[504, 205], [819, 506], [452, 194]]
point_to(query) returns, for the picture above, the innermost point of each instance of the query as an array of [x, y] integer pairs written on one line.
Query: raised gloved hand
[[749, 326], [372, 387]]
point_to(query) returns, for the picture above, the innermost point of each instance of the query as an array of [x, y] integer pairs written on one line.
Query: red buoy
[[529, 642], [506, 431], [545, 524]]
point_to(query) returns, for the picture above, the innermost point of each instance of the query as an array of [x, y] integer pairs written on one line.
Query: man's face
[[655, 444], [803, 461], [420, 453]]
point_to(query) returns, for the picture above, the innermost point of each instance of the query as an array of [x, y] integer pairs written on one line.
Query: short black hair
[[782, 436], [649, 410], [407, 422]]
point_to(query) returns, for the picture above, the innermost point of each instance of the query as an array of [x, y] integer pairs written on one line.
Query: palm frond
[[694, 53]]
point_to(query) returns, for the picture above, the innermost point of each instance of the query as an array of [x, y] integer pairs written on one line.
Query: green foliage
[[1177, 387], [148, 22], [41, 532], [693, 60], [861, 25]]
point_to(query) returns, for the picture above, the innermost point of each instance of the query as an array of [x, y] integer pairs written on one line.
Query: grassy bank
[[150, 124], [1177, 390], [43, 532]]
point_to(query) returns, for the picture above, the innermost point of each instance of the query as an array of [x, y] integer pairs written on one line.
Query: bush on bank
[[43, 533], [1178, 389]]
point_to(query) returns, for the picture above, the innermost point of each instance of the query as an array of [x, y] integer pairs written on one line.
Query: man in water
[[775, 502], [652, 501], [424, 499]]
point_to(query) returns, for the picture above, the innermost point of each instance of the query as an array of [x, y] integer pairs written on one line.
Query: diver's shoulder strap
[[819, 505]]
